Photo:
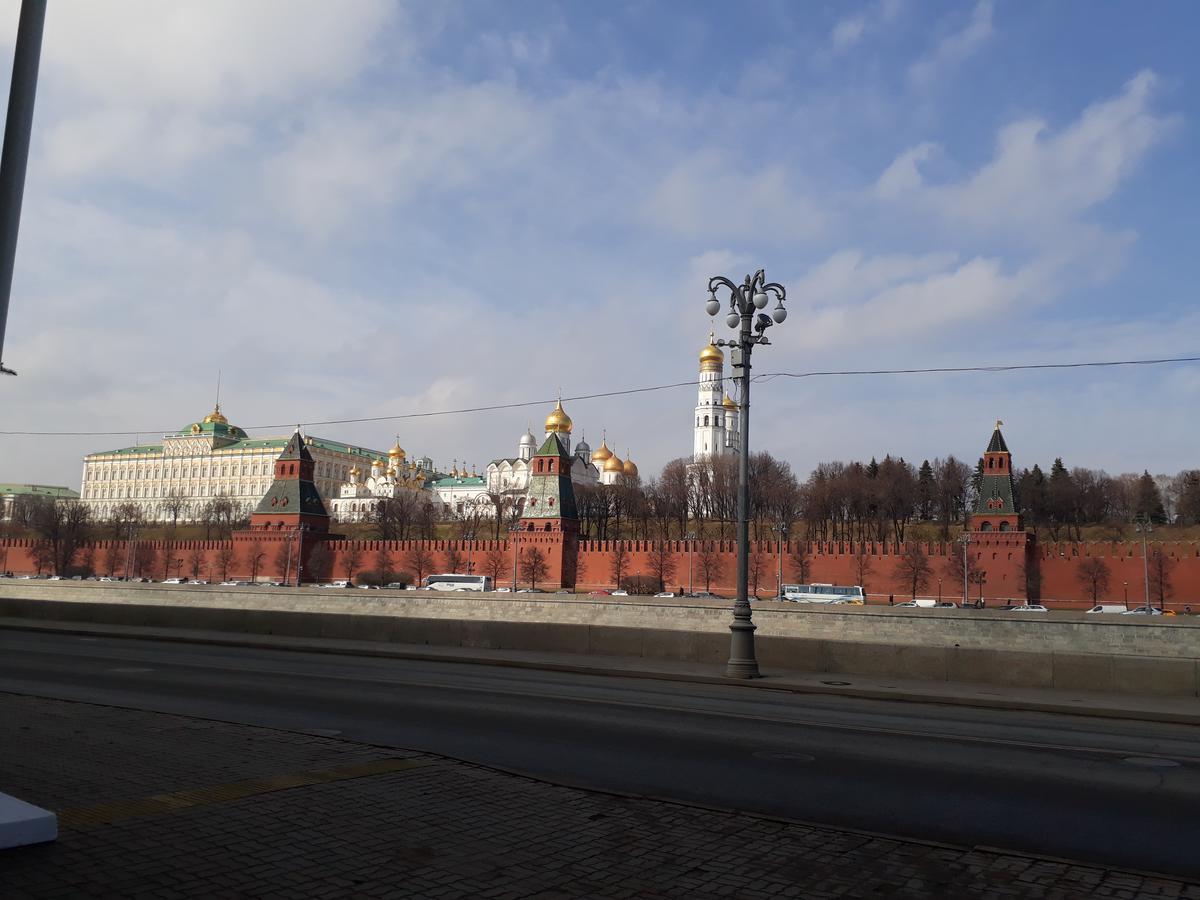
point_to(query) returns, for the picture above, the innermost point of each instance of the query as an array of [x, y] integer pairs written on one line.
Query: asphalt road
[[1108, 791]]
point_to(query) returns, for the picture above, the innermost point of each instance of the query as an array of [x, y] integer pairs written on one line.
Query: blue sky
[[373, 208]]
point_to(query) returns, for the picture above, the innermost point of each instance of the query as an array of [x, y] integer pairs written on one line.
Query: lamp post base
[[742, 661]]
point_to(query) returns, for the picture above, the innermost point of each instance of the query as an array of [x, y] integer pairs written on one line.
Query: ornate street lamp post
[[513, 534], [469, 537], [966, 542], [745, 300], [781, 530], [1143, 527], [690, 537]]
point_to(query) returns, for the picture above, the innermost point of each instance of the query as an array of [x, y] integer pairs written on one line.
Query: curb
[[768, 682]]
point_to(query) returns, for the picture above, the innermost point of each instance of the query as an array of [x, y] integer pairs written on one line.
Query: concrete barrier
[[838, 641]]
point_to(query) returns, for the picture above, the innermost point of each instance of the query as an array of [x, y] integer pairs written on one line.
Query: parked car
[[1143, 611], [593, 593], [175, 581], [706, 595], [945, 604], [502, 591], [101, 578], [1109, 608], [368, 587], [56, 578], [395, 586], [564, 591], [665, 594], [527, 591], [910, 604], [1029, 607], [620, 593]]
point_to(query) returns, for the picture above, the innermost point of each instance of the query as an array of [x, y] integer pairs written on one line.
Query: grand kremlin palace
[[212, 458]]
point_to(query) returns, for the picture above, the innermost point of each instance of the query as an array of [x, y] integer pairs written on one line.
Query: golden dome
[[215, 417], [711, 357], [397, 452], [629, 468], [614, 464], [728, 403], [391, 472], [377, 462], [356, 471], [601, 453], [558, 421]]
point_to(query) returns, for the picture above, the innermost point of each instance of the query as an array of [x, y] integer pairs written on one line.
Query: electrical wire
[[766, 376]]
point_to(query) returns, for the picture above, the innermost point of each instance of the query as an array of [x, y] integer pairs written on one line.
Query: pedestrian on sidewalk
[[891, 599]]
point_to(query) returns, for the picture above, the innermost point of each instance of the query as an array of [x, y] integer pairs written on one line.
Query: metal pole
[[513, 537], [300, 555], [966, 540], [742, 662], [15, 156], [691, 539], [1146, 569], [287, 569], [779, 578]]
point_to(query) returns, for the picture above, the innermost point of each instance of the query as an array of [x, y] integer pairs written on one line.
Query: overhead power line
[[766, 376]]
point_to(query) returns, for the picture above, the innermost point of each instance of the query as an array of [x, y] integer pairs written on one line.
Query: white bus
[[458, 583], [823, 593]]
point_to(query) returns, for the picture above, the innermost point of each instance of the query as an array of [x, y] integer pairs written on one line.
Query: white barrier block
[[23, 823]]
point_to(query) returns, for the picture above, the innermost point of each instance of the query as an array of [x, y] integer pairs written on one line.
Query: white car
[[106, 578], [176, 581], [1143, 611], [665, 594], [620, 594], [1109, 608], [502, 591], [1029, 607]]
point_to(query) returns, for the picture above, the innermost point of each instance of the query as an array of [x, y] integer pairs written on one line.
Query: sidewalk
[[1176, 710], [154, 805]]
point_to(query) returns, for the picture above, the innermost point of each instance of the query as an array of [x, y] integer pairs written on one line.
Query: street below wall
[[1114, 792]]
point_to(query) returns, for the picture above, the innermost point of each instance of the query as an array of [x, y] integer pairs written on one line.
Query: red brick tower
[[549, 521], [1002, 548]]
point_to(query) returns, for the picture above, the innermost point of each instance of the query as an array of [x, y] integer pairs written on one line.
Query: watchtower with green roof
[[292, 501], [995, 506], [549, 519]]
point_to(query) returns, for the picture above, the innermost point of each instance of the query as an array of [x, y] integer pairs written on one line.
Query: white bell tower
[[710, 425]]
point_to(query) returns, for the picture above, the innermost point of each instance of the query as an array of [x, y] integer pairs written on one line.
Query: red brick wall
[[1001, 555]]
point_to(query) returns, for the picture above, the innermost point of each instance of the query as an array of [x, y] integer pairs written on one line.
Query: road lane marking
[[85, 817]]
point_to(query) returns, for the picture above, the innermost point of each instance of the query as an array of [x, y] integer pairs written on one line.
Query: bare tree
[[320, 562], [1161, 566], [913, 569], [174, 505], [226, 554], [533, 566], [709, 561], [801, 562], [383, 565], [256, 554], [755, 567], [662, 563], [1094, 577], [65, 524], [619, 562], [494, 564], [420, 560], [864, 565], [352, 554], [196, 562], [454, 559]]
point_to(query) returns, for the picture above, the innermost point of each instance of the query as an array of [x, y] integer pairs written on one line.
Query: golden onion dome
[[711, 356], [356, 471], [397, 452], [601, 453], [377, 463], [391, 472], [614, 464], [728, 403], [630, 469], [215, 417], [558, 420]]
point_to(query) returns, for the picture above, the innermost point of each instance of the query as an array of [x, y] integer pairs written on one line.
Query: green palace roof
[[460, 481], [270, 443], [43, 490]]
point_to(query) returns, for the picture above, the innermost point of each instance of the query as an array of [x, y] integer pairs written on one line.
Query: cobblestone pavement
[[163, 806]]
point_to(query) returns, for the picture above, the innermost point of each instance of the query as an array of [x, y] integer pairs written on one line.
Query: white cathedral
[[716, 431]]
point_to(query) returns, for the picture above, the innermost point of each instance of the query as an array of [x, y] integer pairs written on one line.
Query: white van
[[1108, 608], [920, 602]]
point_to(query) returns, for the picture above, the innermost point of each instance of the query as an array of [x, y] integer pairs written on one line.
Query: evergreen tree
[[1061, 501], [1148, 505], [1188, 510], [926, 492]]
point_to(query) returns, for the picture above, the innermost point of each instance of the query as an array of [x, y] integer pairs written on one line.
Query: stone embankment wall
[[1065, 650]]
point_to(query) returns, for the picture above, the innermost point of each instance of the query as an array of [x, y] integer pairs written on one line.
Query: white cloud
[[954, 48], [1038, 180], [850, 30], [709, 196], [904, 174]]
